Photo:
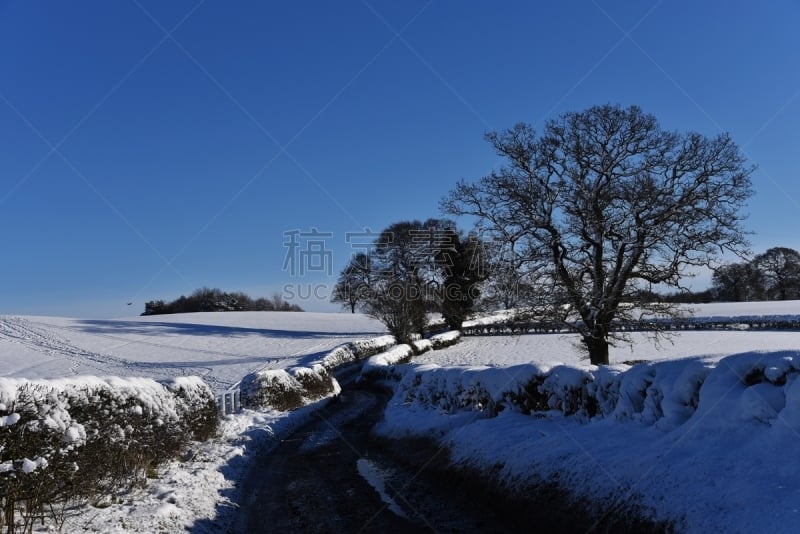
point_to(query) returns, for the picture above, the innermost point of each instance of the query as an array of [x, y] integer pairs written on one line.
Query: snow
[[220, 347], [9, 420], [554, 349], [195, 492], [388, 358], [372, 474], [29, 466], [702, 434]]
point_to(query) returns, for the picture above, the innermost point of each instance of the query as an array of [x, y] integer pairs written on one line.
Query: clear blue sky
[[149, 148]]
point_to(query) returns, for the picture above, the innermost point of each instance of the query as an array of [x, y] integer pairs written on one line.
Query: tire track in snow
[[23, 332], [44, 338]]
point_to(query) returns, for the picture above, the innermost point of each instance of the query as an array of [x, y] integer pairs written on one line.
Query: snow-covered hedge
[[293, 387], [421, 346], [287, 389], [356, 350], [757, 387], [381, 365], [445, 339], [82, 438]]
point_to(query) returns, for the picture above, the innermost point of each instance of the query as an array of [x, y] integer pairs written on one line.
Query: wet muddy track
[[316, 480], [333, 475]]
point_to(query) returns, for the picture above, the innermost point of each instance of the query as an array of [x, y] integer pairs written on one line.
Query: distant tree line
[[216, 300], [773, 275]]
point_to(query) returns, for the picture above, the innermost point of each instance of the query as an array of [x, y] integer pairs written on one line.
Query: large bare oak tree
[[609, 203]]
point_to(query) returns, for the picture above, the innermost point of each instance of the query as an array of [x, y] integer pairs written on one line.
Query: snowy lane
[[335, 475], [332, 476]]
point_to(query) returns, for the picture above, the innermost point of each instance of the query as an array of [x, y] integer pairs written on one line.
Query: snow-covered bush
[[341, 355], [364, 348], [36, 449], [199, 412], [483, 389], [286, 389], [445, 339], [316, 381], [80, 438], [381, 365], [274, 388], [293, 387], [421, 346], [356, 350]]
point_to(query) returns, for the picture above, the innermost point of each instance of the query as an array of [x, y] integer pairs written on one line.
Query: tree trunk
[[598, 349]]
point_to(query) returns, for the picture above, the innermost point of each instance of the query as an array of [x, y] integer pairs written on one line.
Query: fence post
[[229, 401]]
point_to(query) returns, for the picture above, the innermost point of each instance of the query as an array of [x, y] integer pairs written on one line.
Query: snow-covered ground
[[703, 436], [504, 350], [727, 467], [220, 347], [553, 349]]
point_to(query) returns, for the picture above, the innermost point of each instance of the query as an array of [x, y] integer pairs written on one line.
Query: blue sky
[[150, 148]]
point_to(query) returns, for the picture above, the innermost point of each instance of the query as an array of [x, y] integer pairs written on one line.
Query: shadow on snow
[[100, 326]]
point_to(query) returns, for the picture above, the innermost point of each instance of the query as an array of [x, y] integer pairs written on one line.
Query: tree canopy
[[606, 204], [772, 275], [414, 268]]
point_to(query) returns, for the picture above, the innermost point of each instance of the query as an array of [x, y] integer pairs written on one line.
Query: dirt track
[[316, 481]]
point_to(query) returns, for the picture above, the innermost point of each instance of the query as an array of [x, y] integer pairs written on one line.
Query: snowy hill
[[220, 347]]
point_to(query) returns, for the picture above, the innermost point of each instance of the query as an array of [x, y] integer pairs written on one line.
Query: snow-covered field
[[220, 347], [704, 436], [555, 349], [504, 350], [728, 467]]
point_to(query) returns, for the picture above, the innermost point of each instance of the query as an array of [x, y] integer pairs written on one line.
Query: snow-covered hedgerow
[[356, 350], [662, 394], [381, 365], [68, 440], [421, 346], [274, 388], [453, 389], [287, 389], [445, 339], [364, 348], [290, 388]]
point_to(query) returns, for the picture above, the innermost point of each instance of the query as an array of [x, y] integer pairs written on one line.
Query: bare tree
[[610, 204], [411, 269], [353, 284], [463, 266], [779, 270], [737, 282]]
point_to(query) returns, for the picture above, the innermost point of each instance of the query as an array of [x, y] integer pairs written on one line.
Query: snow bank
[[697, 441]]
